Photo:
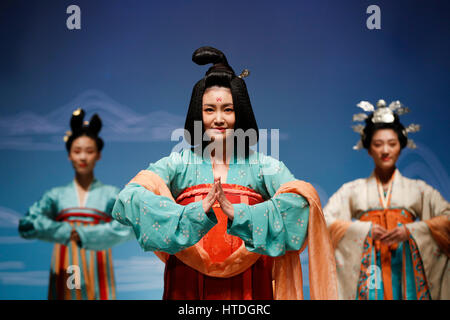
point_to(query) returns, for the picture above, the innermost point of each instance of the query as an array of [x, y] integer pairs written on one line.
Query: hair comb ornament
[[69, 133], [382, 114], [245, 73], [67, 136]]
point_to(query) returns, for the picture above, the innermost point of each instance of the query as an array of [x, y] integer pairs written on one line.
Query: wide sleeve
[[338, 206], [39, 222], [276, 225], [347, 237], [338, 216], [434, 224], [105, 235], [432, 237], [159, 223]]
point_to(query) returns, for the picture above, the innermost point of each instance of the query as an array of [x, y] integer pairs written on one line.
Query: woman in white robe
[[391, 234]]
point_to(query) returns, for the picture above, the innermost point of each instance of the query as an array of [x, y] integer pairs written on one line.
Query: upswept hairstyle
[[81, 128], [371, 128], [222, 75]]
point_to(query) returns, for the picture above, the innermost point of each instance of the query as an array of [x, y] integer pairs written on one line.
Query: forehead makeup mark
[[219, 99]]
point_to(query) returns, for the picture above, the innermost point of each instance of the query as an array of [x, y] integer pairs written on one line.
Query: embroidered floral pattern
[[145, 210], [156, 225], [277, 225], [279, 247], [362, 287], [422, 288], [295, 239], [259, 230], [163, 203]]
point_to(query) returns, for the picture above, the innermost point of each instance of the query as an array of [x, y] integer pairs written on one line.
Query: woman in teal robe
[[78, 220], [226, 227]]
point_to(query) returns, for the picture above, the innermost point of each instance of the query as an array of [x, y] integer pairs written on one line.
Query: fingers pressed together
[[399, 234]]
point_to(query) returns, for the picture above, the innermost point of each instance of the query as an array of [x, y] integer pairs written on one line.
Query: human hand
[[378, 231], [225, 204], [74, 236], [210, 198], [399, 234]]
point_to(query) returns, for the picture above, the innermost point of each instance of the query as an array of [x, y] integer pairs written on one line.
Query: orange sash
[[388, 219]]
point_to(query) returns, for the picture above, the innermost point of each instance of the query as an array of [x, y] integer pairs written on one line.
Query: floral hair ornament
[[382, 114]]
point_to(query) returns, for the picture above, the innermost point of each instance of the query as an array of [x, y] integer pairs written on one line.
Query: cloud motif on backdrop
[[28, 130], [422, 163], [16, 274], [10, 219]]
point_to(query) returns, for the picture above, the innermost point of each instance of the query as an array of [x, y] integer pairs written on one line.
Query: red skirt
[[182, 282]]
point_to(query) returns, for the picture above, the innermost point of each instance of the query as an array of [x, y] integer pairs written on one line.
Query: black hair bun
[[81, 128], [76, 122], [95, 125], [205, 55], [220, 73]]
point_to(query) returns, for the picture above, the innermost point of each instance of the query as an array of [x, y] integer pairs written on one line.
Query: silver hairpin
[[358, 145], [358, 128], [383, 114], [366, 106], [413, 128]]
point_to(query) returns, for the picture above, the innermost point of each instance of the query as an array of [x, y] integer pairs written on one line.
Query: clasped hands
[[399, 234], [74, 236], [216, 194]]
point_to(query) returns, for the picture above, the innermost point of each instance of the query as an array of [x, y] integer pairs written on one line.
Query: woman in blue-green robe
[[77, 218], [181, 226], [228, 222]]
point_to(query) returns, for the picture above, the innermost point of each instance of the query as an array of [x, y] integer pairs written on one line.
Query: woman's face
[[385, 148], [84, 155], [218, 112]]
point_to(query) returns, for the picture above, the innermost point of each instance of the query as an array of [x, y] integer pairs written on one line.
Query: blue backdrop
[[311, 62]]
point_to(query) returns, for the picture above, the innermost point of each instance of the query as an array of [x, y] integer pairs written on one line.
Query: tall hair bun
[[76, 122], [84, 128], [95, 125], [205, 55]]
